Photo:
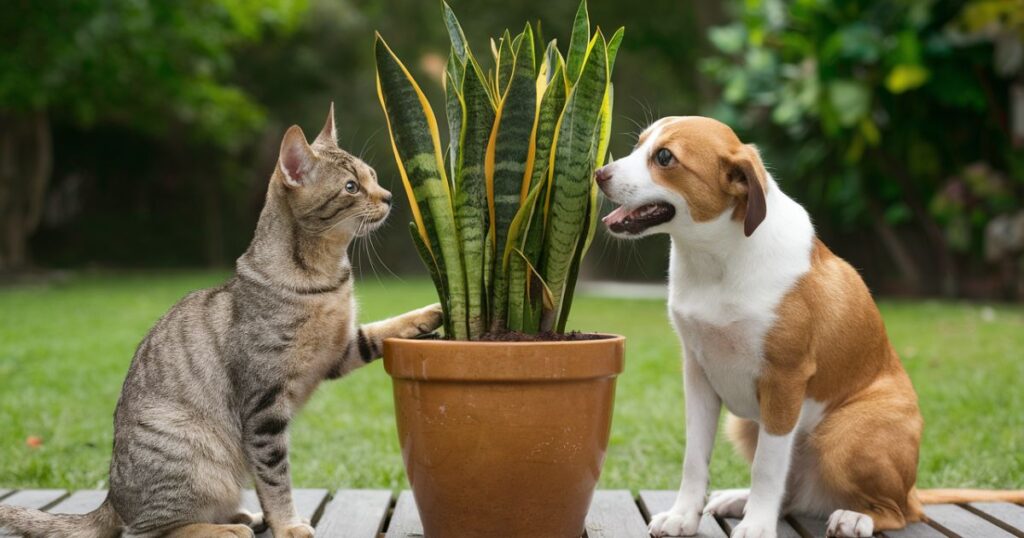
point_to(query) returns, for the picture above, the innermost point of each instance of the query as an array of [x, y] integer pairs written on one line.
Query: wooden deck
[[613, 514]]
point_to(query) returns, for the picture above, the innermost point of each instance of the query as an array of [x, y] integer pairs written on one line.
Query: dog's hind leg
[[866, 456]]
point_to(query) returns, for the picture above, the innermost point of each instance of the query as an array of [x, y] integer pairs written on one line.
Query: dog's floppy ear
[[745, 178]]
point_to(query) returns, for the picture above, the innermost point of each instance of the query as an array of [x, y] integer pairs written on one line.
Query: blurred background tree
[[874, 112], [897, 123]]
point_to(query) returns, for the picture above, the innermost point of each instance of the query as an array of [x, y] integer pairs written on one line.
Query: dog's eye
[[664, 157], [352, 187]]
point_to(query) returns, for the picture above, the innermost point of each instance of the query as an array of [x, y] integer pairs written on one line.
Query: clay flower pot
[[503, 438]]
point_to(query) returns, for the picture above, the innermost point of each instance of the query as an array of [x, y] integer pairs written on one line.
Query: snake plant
[[503, 215]]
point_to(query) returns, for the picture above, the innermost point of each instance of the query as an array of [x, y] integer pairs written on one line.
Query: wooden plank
[[1010, 515], [405, 520], [355, 513], [33, 498], [812, 526], [915, 530], [653, 502], [614, 514], [308, 503], [960, 521], [784, 530], [80, 502]]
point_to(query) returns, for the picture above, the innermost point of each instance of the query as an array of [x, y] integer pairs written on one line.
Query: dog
[[782, 332]]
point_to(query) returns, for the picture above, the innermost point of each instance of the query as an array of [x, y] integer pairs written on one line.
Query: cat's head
[[328, 189]]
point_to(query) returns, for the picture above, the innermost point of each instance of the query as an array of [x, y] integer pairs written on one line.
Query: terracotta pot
[[501, 438]]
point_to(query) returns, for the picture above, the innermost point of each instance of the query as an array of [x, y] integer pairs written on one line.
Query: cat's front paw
[[300, 530], [428, 319]]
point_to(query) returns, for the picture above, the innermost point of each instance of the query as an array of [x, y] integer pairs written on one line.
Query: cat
[[212, 388]]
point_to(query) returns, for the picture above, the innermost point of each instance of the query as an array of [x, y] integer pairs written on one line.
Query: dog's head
[[685, 172]]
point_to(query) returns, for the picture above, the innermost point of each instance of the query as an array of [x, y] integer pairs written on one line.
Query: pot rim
[[604, 339], [465, 361]]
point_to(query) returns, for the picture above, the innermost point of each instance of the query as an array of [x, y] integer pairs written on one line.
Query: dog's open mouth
[[633, 221]]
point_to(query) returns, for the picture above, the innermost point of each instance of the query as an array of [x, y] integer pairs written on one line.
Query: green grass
[[64, 350]]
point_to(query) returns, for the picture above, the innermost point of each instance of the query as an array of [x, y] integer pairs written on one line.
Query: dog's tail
[[100, 523], [954, 496]]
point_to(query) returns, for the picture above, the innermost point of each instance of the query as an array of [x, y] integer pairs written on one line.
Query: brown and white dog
[[781, 331]]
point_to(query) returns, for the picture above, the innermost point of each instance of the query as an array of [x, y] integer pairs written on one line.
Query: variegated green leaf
[[471, 207], [614, 43], [509, 155], [453, 111], [518, 264], [574, 271], [572, 170], [417, 146], [505, 63], [455, 34], [435, 274], [578, 42]]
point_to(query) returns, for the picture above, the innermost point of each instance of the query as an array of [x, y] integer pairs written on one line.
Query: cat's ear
[[329, 134], [296, 159]]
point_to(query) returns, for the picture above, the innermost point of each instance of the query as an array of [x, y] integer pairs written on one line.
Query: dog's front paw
[[673, 523], [755, 529], [850, 524]]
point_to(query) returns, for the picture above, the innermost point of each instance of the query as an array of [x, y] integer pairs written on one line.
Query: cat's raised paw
[[429, 318]]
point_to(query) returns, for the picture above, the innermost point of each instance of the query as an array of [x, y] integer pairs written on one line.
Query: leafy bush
[[503, 217], [869, 106]]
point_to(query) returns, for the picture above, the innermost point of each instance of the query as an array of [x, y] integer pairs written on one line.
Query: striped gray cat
[[213, 386]]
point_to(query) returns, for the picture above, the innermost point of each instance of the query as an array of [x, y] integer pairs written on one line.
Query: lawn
[[64, 349]]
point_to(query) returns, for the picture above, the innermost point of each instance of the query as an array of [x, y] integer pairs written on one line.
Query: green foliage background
[[891, 121]]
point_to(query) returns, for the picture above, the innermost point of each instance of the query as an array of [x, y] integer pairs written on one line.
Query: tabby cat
[[213, 386]]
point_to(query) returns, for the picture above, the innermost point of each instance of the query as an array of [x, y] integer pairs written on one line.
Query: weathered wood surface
[[613, 514]]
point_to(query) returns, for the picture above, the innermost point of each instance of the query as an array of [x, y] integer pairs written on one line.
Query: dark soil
[[549, 336]]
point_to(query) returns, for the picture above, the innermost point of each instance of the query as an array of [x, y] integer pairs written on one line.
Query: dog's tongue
[[616, 216]]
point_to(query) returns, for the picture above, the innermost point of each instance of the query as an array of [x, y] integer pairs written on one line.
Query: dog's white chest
[[730, 355]]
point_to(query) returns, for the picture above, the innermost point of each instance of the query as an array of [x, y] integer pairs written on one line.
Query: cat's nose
[[386, 198]]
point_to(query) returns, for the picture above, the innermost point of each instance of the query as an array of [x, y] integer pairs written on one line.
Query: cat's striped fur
[[213, 386]]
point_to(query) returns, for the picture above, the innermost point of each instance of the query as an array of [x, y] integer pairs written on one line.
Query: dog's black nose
[[602, 174]]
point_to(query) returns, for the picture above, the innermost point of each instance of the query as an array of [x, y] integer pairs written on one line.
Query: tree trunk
[[904, 261], [214, 222], [948, 281], [26, 163]]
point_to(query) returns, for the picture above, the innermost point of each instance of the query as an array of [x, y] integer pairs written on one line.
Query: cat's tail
[[945, 496], [100, 523]]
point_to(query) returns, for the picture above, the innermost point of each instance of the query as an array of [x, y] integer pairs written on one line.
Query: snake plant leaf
[[417, 147], [471, 207], [435, 273], [593, 212], [509, 156], [553, 56], [453, 112], [605, 127], [578, 42], [505, 63], [455, 34], [614, 42], [518, 279], [551, 105], [572, 170]]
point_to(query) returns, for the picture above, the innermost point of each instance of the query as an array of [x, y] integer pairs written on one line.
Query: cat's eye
[[663, 157], [351, 187]]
